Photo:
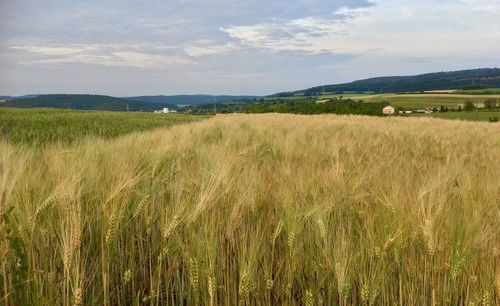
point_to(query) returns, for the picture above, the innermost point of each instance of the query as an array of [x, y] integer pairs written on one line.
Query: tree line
[[298, 106]]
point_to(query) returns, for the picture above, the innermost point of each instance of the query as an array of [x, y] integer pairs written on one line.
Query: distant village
[[389, 110], [165, 110]]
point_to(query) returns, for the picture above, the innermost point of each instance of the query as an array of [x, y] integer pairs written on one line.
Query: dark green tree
[[469, 106], [490, 104]]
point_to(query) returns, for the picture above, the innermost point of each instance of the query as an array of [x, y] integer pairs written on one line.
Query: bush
[[490, 104], [309, 107], [469, 106]]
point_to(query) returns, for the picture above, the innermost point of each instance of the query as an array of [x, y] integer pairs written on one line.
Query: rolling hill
[[398, 84], [18, 97], [82, 102], [101, 102]]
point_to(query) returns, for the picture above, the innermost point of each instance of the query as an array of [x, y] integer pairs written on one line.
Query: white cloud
[[106, 55], [426, 28], [291, 35], [204, 48], [310, 35], [423, 28], [288, 44], [352, 12], [56, 51]]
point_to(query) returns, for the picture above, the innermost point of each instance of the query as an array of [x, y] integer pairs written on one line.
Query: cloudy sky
[[136, 47]]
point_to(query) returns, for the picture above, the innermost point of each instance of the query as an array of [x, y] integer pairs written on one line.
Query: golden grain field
[[257, 210]]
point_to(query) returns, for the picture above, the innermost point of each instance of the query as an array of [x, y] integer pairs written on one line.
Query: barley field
[[256, 210], [469, 116]]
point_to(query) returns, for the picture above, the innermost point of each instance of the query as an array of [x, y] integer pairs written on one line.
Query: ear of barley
[[365, 293], [171, 227], [322, 228], [149, 224], [45, 205], [244, 285], [309, 298], [78, 297], [127, 276], [140, 206], [110, 234], [277, 231], [269, 283], [486, 301], [164, 252], [193, 272], [373, 295], [211, 285], [457, 267], [67, 257], [291, 242], [77, 237]]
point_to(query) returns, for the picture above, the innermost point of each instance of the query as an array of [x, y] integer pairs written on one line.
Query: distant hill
[[83, 102], [100, 102], [19, 97], [189, 99], [397, 84]]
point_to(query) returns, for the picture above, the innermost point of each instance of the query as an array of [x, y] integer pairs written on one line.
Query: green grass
[[327, 95], [424, 100], [41, 126], [469, 116], [414, 101], [345, 95], [487, 91]]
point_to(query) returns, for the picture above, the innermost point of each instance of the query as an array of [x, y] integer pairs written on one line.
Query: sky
[[258, 47]]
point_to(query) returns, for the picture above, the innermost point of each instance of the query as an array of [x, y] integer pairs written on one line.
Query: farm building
[[165, 110], [388, 110]]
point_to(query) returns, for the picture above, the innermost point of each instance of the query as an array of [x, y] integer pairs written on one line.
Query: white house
[[165, 110], [388, 110]]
